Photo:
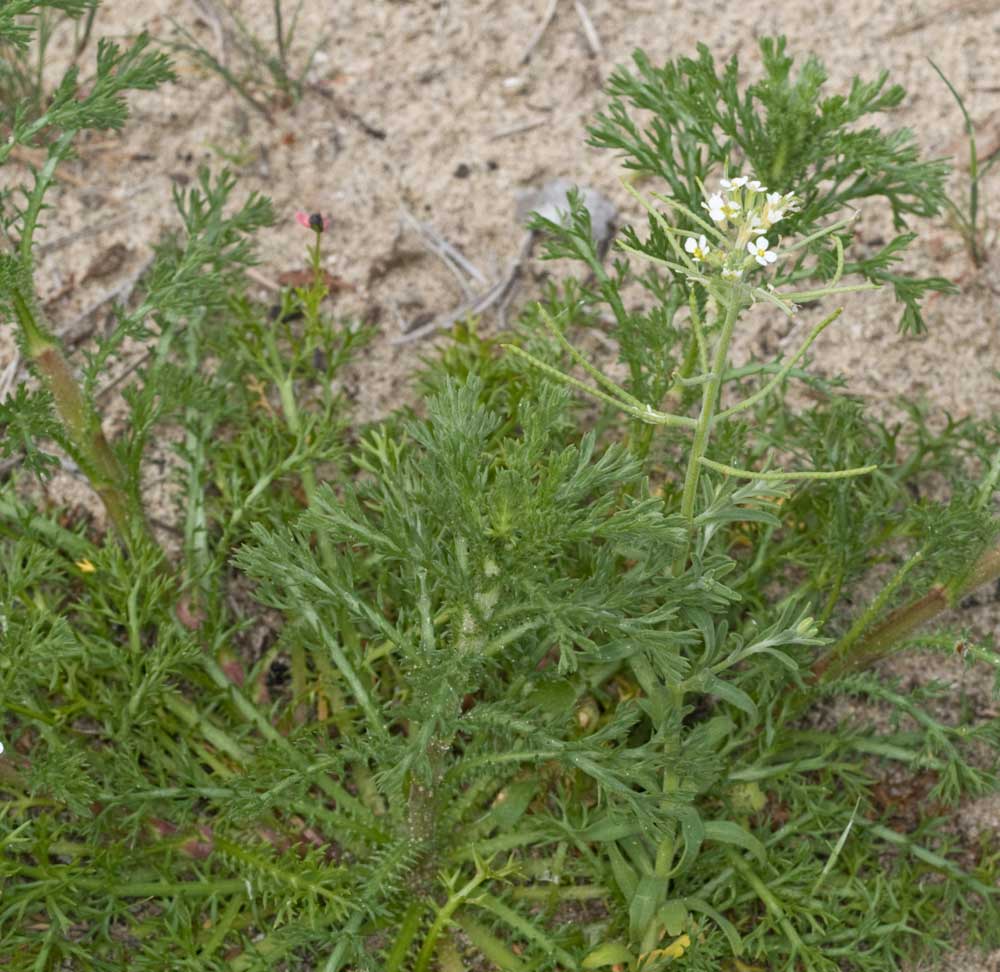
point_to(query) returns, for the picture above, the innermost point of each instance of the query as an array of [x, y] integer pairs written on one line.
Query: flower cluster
[[744, 210]]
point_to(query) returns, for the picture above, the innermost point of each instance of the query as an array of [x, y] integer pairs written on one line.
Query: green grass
[[970, 217], [261, 73]]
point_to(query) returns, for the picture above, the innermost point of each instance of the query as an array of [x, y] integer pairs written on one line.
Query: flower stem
[[702, 432]]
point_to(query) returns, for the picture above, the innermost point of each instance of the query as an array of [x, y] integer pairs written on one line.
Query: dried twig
[[130, 369], [500, 293], [211, 16], [550, 15], [589, 31], [257, 277], [79, 328], [950, 10], [373, 131], [47, 246], [8, 375], [449, 255], [517, 129]]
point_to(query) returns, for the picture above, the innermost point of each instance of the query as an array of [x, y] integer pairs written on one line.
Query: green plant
[[22, 66], [967, 217], [497, 678], [782, 129], [246, 80]]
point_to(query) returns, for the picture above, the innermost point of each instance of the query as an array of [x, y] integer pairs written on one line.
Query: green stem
[[771, 902], [780, 475], [783, 371], [405, 934], [285, 381], [444, 916], [832, 598], [492, 948], [702, 432]]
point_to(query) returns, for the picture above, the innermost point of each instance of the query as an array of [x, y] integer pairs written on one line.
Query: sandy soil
[[432, 108]]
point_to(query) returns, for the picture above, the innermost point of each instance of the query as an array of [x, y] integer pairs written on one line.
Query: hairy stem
[[81, 421], [853, 654]]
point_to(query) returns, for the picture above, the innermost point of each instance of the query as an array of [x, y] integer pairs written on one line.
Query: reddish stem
[[902, 622]]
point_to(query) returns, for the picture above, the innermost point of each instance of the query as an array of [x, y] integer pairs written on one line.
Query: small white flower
[[773, 209], [697, 248], [732, 273], [721, 209], [777, 207], [738, 183], [716, 208], [755, 186], [760, 251]]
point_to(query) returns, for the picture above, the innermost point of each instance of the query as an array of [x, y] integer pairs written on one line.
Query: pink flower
[[316, 222]]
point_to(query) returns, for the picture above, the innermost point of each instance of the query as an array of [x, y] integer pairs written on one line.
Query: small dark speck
[[492, 165], [278, 674], [461, 171]]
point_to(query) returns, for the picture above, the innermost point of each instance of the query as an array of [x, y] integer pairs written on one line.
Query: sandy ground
[[433, 109]]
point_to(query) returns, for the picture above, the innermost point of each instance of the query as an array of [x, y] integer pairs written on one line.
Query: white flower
[[697, 248], [721, 209], [732, 273], [755, 186], [738, 183], [760, 251], [773, 210], [777, 207], [716, 208]]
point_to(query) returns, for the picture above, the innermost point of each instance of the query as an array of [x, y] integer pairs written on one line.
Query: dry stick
[[130, 369], [74, 333], [8, 375], [517, 129], [445, 252], [93, 229], [265, 281], [499, 292], [593, 40], [212, 17], [540, 33], [372, 131], [952, 10], [902, 622]]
